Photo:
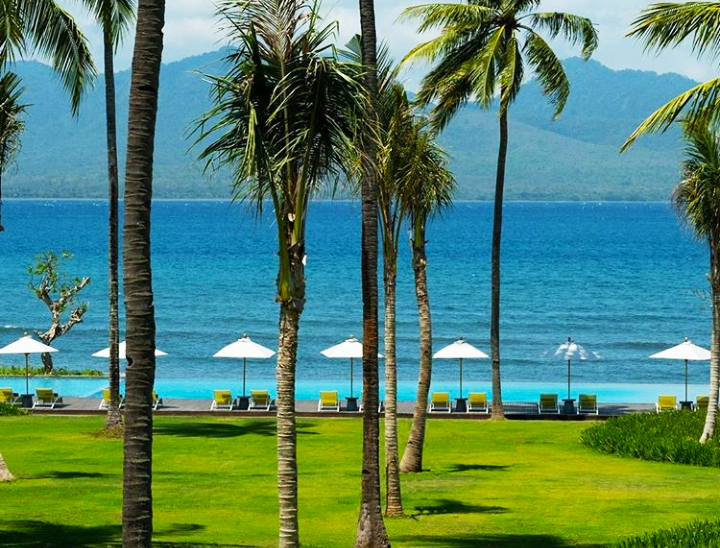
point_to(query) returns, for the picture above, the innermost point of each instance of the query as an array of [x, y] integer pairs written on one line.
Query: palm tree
[[283, 120], [697, 202], [371, 532], [666, 25], [44, 27], [11, 123], [428, 194], [115, 18], [137, 276], [486, 47]]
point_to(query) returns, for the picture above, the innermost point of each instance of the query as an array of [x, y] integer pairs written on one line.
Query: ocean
[[624, 280]]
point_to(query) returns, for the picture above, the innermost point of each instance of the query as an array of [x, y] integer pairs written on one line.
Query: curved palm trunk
[[5, 474], [412, 460], [393, 495], [113, 415], [371, 531], [497, 406], [138, 295], [711, 419]]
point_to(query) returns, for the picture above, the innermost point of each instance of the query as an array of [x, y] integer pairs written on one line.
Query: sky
[[191, 29]]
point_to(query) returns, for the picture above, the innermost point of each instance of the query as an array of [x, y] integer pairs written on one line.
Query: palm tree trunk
[[113, 415], [497, 406], [286, 433], [137, 275], [2, 228], [5, 474], [711, 419], [412, 460], [371, 531], [393, 495]]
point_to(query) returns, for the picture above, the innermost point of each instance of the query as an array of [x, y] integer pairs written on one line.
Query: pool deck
[[309, 408]]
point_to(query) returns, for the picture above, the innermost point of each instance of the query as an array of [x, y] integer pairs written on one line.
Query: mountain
[[574, 158]]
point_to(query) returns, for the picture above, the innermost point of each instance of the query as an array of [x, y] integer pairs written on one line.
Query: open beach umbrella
[[105, 352], [460, 350], [244, 348], [684, 351], [569, 351], [351, 348], [27, 345]]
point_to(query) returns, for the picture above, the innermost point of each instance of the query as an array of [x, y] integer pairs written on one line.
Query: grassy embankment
[[518, 484]]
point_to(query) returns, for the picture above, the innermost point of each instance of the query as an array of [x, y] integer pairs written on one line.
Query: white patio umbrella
[[460, 350], [244, 348], [569, 351], [105, 352], [27, 345], [684, 351], [351, 348]]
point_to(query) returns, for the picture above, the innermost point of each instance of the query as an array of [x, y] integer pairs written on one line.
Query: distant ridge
[[575, 158]]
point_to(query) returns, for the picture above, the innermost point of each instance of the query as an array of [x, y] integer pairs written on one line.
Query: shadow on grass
[[449, 506], [491, 541], [46, 534], [225, 429], [57, 474], [180, 529], [477, 467]]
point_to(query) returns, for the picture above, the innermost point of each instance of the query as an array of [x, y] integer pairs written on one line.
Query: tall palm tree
[[283, 120], [137, 276], [429, 192], [666, 25], [697, 202], [115, 18], [371, 532], [43, 27], [488, 47], [11, 123]]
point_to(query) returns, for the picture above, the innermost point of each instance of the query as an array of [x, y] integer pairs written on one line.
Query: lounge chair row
[[477, 402], [44, 397], [223, 400], [669, 403], [105, 401]]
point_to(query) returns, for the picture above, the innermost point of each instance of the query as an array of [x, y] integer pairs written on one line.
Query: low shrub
[[666, 437], [697, 534], [10, 410], [18, 371]]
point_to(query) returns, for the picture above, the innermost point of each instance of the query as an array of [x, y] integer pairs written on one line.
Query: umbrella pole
[[568, 379], [27, 385], [243, 377], [351, 377], [686, 364], [461, 376]]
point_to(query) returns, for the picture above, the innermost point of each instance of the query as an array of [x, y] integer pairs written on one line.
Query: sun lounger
[[222, 399], [105, 401], [440, 401], [702, 403], [328, 401], [477, 402], [157, 400], [9, 397], [587, 403], [548, 404], [46, 398], [666, 403], [260, 399]]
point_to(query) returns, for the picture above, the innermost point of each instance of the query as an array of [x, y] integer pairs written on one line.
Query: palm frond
[[115, 16], [510, 78], [577, 30], [12, 35], [549, 70], [459, 16]]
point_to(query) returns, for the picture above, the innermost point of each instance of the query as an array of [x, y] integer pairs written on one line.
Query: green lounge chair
[[477, 402], [222, 399], [260, 399], [702, 403], [157, 401], [587, 403], [329, 401], [666, 403], [105, 401], [440, 401], [9, 397], [46, 398], [548, 404]]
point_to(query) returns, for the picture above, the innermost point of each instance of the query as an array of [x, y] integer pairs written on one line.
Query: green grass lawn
[[515, 484]]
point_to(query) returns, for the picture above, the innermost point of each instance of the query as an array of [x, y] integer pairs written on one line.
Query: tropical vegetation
[[489, 47], [12, 124], [697, 534]]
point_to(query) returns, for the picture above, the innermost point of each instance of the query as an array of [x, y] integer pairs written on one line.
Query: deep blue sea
[[624, 280]]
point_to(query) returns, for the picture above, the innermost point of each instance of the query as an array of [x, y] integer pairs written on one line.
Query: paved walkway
[[179, 406]]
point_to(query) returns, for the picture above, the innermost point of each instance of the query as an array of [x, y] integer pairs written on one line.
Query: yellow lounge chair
[[222, 400], [666, 403], [157, 400], [440, 401], [477, 402], [260, 399], [329, 401], [9, 397], [548, 404], [46, 398], [587, 403], [701, 403], [105, 401]]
